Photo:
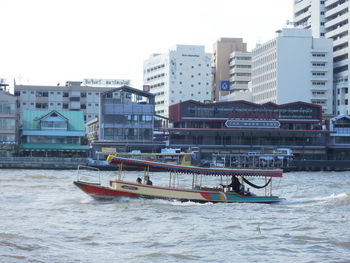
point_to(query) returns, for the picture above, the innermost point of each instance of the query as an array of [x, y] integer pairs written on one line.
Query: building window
[[42, 94], [346, 102], [65, 94], [65, 106], [41, 105]]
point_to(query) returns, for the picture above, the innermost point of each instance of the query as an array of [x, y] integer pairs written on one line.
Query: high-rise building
[[310, 14], [182, 73], [293, 67], [337, 28], [223, 48], [240, 70]]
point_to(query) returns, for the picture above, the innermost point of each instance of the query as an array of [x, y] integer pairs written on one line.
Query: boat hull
[[124, 189]]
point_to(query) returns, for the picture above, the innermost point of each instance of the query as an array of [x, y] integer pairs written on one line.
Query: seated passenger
[[139, 180], [147, 180]]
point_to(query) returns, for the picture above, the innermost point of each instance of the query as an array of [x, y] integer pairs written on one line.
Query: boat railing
[[89, 174]]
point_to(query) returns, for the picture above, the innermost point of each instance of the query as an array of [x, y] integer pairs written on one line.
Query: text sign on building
[[251, 124], [225, 85], [106, 82]]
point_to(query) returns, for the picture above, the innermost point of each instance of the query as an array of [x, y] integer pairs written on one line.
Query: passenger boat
[[195, 192]]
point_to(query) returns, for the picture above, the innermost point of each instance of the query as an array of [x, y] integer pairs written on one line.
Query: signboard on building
[[106, 82], [251, 124], [239, 110], [108, 150], [224, 85]]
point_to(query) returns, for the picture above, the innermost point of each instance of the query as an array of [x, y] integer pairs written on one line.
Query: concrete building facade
[[294, 67], [337, 29], [310, 14], [222, 49], [180, 74], [72, 96], [240, 71], [8, 122]]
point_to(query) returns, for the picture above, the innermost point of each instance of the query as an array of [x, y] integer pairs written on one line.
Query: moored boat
[[197, 191]]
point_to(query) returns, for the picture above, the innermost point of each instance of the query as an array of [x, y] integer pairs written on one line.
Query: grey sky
[[51, 41]]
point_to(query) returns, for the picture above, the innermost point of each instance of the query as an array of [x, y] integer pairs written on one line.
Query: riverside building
[[235, 127], [180, 74], [293, 67], [8, 122], [72, 96], [53, 133], [125, 122]]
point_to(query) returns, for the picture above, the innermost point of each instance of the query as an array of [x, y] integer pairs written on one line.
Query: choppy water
[[44, 218]]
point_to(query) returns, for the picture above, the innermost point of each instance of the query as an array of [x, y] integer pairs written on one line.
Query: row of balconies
[[341, 20]]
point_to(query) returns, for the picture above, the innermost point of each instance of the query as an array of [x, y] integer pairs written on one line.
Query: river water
[[45, 218]]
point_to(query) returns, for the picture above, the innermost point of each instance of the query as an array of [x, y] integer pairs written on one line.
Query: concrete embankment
[[41, 162], [319, 165]]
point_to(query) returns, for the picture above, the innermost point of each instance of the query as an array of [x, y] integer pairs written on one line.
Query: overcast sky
[[46, 42]]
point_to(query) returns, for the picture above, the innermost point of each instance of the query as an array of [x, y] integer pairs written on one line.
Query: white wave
[[334, 197], [342, 197]]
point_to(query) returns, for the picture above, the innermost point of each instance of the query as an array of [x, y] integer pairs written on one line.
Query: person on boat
[[147, 180], [139, 180], [235, 185]]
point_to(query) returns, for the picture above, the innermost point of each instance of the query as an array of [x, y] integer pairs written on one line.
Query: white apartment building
[[293, 67], [183, 73], [337, 28], [310, 14], [240, 70], [72, 96]]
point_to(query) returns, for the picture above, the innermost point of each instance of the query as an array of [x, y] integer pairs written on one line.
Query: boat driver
[[235, 185]]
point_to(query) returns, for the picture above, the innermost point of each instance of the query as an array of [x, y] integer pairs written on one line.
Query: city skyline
[[52, 42]]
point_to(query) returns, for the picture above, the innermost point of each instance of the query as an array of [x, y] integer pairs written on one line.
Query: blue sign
[[224, 85]]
